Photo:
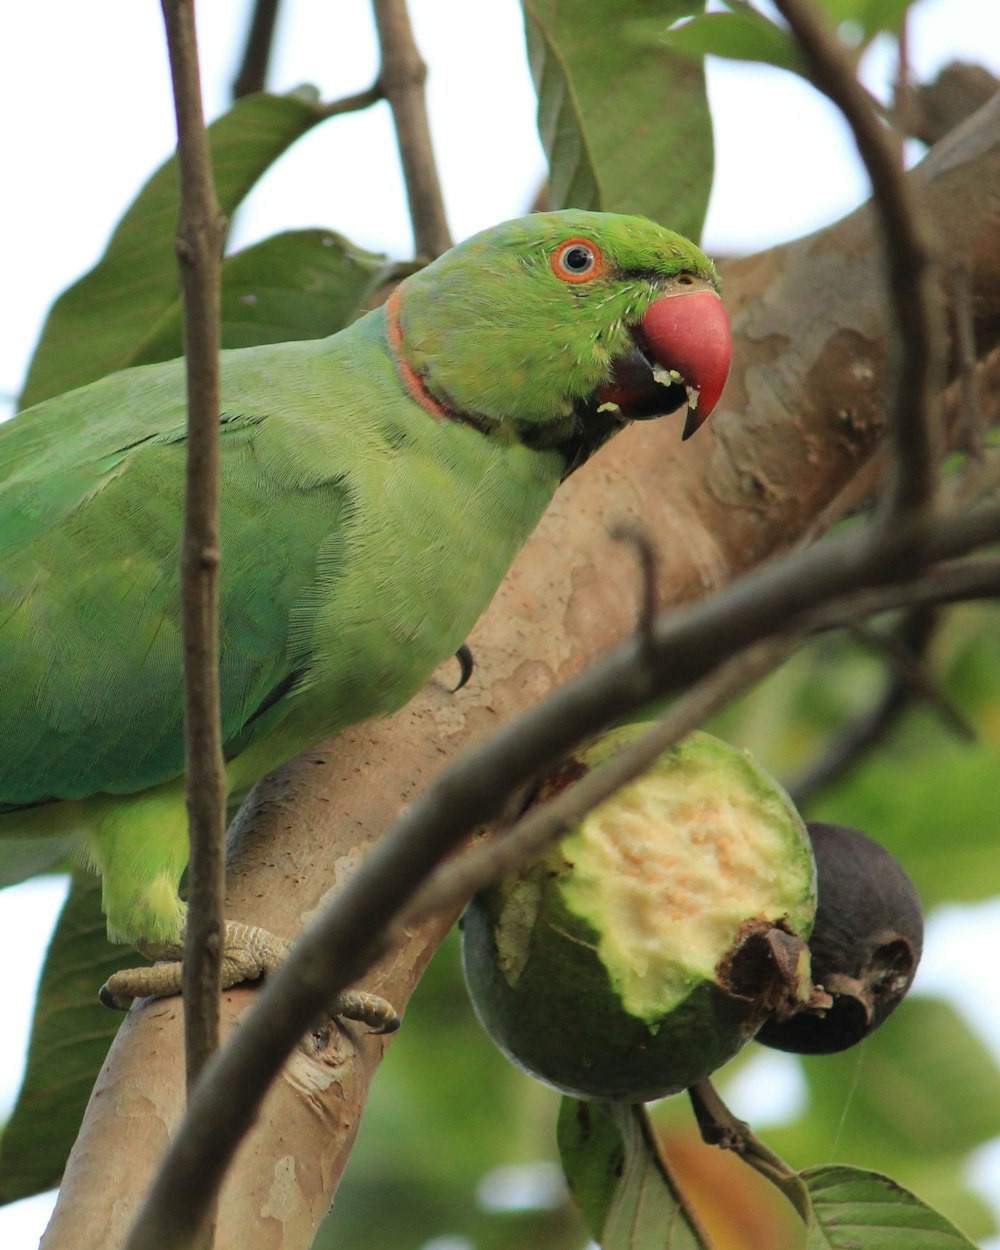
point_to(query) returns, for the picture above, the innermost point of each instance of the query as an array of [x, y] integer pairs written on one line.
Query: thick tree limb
[[200, 234], [804, 411]]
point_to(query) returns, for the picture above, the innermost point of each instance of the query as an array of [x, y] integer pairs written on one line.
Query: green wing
[[91, 498]]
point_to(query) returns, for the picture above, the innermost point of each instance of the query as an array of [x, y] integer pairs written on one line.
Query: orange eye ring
[[577, 260]]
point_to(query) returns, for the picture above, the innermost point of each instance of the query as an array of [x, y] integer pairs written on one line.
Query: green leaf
[[304, 284], [623, 119], [619, 1179], [70, 1037], [21, 858], [858, 1210], [924, 1085], [742, 35], [99, 324]]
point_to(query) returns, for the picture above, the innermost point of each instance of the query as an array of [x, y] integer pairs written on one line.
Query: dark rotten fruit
[[865, 945], [641, 952]]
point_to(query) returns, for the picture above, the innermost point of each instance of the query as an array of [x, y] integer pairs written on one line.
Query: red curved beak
[[688, 333]]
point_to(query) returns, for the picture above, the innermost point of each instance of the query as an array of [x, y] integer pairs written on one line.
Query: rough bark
[[802, 415]]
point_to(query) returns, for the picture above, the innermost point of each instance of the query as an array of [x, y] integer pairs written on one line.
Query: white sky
[[84, 93]]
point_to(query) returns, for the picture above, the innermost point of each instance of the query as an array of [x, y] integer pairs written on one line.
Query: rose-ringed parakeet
[[376, 485]]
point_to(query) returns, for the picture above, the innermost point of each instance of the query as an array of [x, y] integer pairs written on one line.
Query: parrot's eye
[[577, 260]]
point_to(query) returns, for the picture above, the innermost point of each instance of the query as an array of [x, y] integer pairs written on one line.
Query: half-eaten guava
[[641, 952]]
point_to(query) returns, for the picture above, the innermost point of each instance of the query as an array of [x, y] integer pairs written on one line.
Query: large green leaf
[[856, 1210], [99, 324], [70, 1037], [624, 120], [303, 284], [617, 1176]]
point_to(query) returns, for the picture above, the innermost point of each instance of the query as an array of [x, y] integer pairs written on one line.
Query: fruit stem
[[719, 1127]]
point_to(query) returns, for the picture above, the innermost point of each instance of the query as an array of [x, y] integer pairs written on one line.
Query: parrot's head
[[560, 328]]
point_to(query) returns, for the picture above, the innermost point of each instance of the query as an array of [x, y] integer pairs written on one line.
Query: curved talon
[[466, 664]]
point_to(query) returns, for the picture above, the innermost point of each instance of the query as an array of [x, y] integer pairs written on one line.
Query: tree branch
[[401, 80], [859, 737], [455, 881], [200, 232], [907, 241], [802, 414], [252, 74]]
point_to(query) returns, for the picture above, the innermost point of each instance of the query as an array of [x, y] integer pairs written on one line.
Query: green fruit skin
[[548, 1001], [574, 1034]]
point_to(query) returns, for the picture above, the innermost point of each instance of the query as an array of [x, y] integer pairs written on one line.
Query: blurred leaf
[[304, 284], [593, 1158], [870, 16], [617, 1176], [923, 793], [935, 815], [70, 1036], [744, 34], [21, 858], [624, 120], [99, 324], [856, 1210]]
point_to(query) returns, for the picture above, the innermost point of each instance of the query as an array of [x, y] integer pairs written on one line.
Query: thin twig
[[800, 591], [252, 74], [906, 659], [966, 360], [457, 880], [199, 240], [401, 80], [645, 551], [915, 296], [719, 1127], [914, 634], [355, 103]]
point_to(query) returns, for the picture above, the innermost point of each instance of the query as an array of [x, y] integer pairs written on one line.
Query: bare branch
[[252, 74], [906, 237], [354, 103], [200, 233], [401, 79], [857, 740], [971, 424], [454, 882]]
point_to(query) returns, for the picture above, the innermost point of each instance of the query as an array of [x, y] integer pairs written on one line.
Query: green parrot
[[376, 485]]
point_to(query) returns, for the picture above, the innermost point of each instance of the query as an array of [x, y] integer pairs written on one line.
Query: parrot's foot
[[249, 953]]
